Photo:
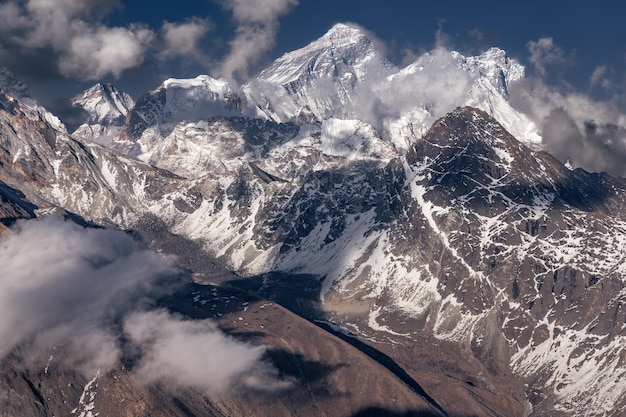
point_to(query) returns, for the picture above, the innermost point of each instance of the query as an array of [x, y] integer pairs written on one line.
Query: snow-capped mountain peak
[[321, 78], [340, 35], [497, 68], [440, 80], [105, 103], [340, 40], [157, 113], [107, 108], [14, 88]]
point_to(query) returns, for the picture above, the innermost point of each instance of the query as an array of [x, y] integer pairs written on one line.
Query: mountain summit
[[319, 80], [106, 108], [105, 103]]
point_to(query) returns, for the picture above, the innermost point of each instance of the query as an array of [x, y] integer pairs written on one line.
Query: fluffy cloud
[[258, 11], [575, 127], [93, 53], [591, 134], [83, 47], [422, 92], [544, 53], [60, 279], [72, 34], [196, 353], [182, 39], [257, 24], [71, 292]]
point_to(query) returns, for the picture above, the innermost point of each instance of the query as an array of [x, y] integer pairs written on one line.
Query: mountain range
[[396, 237]]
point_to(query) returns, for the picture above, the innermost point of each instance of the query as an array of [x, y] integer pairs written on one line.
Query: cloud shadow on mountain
[[14, 205]]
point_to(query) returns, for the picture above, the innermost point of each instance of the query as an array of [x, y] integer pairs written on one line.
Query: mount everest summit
[[409, 212]]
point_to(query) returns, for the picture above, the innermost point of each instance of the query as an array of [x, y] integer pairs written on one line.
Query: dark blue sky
[[588, 34]]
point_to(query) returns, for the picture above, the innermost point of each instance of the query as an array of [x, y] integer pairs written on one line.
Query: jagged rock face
[[509, 252], [13, 206], [473, 236]]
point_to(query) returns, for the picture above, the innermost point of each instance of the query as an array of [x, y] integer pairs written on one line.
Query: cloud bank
[[71, 292]]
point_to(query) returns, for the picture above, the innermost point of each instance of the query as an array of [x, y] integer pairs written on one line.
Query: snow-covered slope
[[157, 113], [106, 107], [319, 80]]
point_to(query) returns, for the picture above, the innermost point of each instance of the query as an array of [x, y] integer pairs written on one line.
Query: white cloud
[[93, 53], [432, 86], [195, 353], [258, 11], [601, 77], [182, 39], [590, 133], [544, 53], [257, 24], [66, 290], [60, 279], [72, 29]]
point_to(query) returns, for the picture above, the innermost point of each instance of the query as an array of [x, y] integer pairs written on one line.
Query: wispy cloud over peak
[[545, 53], [257, 25]]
